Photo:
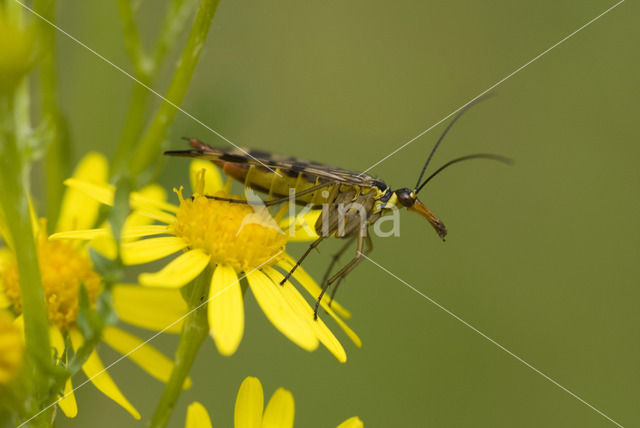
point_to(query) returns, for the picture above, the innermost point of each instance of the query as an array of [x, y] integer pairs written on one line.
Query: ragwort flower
[[237, 241], [250, 412], [65, 267]]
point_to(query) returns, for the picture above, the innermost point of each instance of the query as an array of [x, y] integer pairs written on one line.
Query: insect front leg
[[313, 245]]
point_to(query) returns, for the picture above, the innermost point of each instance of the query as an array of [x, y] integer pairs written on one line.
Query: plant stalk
[[194, 331], [150, 145]]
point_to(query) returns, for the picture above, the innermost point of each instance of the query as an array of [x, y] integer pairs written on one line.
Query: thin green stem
[[194, 331], [149, 147], [132, 128], [133, 44], [146, 69], [177, 16], [15, 205], [143, 69], [58, 154]]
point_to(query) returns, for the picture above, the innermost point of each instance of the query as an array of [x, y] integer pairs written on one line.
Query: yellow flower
[[11, 349], [64, 266], [250, 413], [237, 241]]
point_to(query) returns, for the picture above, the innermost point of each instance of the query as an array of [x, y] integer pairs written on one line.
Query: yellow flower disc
[[63, 269], [239, 235]]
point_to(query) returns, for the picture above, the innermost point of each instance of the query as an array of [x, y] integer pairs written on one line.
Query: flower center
[[63, 268], [242, 236]]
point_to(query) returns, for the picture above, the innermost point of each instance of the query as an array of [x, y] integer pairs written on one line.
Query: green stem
[[143, 69], [146, 68], [177, 16], [58, 154], [132, 128], [149, 147], [13, 178], [194, 331], [133, 44]]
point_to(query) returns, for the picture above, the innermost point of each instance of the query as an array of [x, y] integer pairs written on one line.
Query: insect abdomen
[[277, 184]]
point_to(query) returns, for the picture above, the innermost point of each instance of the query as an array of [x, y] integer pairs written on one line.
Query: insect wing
[[288, 165]]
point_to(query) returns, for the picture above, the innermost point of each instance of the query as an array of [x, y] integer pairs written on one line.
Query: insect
[[351, 201]]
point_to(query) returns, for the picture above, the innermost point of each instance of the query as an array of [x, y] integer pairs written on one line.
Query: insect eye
[[405, 198]]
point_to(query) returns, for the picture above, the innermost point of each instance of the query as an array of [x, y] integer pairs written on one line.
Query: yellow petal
[[131, 232], [149, 213], [197, 416], [102, 193], [353, 422], [212, 179], [79, 210], [95, 371], [153, 192], [280, 410], [301, 306], [146, 356], [350, 333], [105, 245], [11, 349], [4, 300], [249, 404], [134, 220], [301, 228], [152, 308], [226, 310], [308, 283], [147, 250], [19, 322], [6, 255], [152, 195], [85, 235], [67, 402], [57, 341], [179, 271], [279, 312], [311, 286]]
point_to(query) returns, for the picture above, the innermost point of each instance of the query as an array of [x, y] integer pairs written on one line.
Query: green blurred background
[[542, 256]]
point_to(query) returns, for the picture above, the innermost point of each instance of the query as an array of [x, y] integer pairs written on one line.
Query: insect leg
[[272, 201], [336, 257], [339, 281], [313, 245], [346, 269], [353, 263]]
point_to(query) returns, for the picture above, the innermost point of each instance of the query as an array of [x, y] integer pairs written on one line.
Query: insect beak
[[438, 225]]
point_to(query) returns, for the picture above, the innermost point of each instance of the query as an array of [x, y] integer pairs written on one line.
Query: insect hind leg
[[363, 237], [336, 257]]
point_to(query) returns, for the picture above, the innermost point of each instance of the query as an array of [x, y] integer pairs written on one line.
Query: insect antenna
[[490, 156], [455, 118]]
